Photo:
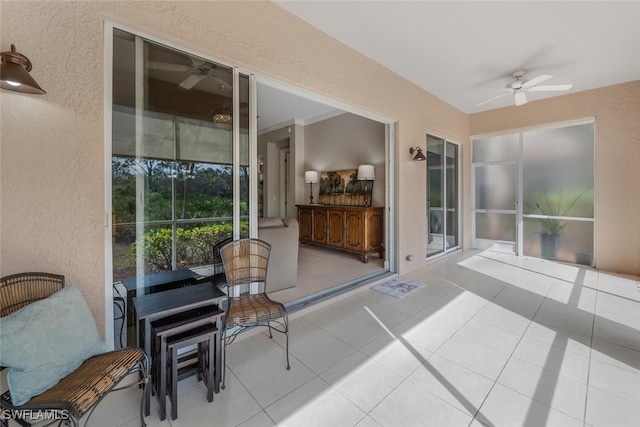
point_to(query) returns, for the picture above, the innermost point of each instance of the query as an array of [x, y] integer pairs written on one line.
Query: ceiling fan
[[520, 86], [199, 70]]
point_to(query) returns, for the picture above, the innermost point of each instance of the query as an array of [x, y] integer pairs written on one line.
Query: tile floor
[[491, 340], [313, 264]]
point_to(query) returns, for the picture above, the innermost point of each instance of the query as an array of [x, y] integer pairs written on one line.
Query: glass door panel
[[451, 219], [244, 156], [442, 195], [495, 206], [435, 195], [558, 193], [173, 158]]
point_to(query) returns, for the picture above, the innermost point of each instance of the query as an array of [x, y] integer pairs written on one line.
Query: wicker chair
[[79, 392], [245, 265]]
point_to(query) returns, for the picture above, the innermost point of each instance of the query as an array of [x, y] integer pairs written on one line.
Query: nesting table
[[162, 304], [152, 283]]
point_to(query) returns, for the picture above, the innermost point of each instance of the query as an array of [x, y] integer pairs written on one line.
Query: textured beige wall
[[52, 177], [617, 113]]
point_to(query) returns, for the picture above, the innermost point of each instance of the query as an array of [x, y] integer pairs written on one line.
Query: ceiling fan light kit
[[519, 86]]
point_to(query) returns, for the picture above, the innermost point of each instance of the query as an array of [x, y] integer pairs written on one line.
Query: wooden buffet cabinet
[[349, 228]]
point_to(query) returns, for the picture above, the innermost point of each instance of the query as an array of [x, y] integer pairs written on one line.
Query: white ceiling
[[464, 52], [277, 107]]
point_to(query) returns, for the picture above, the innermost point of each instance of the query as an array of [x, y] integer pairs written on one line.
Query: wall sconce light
[[14, 72], [417, 154], [366, 173], [311, 177]]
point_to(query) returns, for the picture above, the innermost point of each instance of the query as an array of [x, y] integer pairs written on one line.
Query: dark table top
[[161, 278], [175, 300]]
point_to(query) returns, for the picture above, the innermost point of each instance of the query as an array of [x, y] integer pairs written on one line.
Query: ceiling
[[465, 52], [277, 107]]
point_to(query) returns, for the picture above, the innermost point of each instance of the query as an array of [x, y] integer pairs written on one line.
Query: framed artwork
[[343, 188]]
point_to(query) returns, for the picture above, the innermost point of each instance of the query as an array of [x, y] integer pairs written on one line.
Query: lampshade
[[311, 177], [14, 73], [366, 173]]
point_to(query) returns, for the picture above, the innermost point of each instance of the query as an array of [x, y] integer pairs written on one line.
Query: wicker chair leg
[[286, 334], [145, 384]]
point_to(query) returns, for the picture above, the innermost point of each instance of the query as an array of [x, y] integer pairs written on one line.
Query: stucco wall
[[617, 113], [52, 200]]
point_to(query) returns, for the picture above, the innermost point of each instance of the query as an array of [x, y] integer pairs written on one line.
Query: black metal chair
[[120, 305]]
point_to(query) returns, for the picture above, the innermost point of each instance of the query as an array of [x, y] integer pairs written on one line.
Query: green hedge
[[194, 245]]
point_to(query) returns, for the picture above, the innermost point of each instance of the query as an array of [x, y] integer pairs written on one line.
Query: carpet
[[398, 287]]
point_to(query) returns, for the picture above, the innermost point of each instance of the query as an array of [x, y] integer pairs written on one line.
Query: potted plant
[[552, 227], [550, 236]]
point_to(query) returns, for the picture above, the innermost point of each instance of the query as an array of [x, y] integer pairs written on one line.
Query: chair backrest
[[246, 261], [20, 290]]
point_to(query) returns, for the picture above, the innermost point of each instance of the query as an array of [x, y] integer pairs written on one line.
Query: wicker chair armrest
[[81, 390]]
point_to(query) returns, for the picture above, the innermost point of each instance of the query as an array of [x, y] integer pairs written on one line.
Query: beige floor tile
[[409, 405], [491, 340]]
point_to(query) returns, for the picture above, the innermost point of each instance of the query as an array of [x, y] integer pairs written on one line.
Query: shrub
[[194, 245]]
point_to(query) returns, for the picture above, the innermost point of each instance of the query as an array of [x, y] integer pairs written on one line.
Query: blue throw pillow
[[45, 341]]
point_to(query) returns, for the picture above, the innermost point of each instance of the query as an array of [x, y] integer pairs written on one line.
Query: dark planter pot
[[549, 244]]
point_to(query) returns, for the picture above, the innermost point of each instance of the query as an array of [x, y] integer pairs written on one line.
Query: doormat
[[398, 287]]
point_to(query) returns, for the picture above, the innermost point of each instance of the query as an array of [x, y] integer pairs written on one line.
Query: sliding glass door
[[442, 196], [180, 158], [551, 171]]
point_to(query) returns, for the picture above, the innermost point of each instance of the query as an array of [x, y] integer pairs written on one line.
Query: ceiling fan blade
[[537, 80], [550, 88], [491, 99], [191, 81], [165, 66], [520, 98]]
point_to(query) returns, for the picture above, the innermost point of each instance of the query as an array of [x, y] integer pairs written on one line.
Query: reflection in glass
[[171, 176], [244, 152]]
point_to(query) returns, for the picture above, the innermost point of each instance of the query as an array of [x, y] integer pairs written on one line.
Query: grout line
[[593, 328]]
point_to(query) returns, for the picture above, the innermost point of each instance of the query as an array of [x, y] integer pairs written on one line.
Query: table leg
[[146, 329], [210, 373], [217, 348], [162, 394]]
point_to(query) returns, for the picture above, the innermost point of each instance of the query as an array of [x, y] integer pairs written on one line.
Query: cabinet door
[[335, 233], [320, 225], [354, 231], [374, 229], [304, 223]]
